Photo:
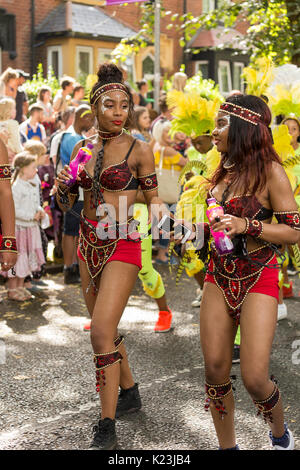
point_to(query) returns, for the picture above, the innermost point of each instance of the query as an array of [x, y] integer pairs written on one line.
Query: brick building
[[75, 36]]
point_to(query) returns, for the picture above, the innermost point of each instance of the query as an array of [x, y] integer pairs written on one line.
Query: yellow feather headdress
[[193, 114], [285, 102], [258, 77]]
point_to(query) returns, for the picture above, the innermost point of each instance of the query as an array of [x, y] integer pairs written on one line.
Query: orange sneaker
[[87, 326], [287, 291], [163, 324]]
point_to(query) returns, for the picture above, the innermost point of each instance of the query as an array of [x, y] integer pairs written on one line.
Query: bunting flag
[[104, 3]]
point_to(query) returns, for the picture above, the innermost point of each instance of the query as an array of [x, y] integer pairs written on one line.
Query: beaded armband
[[265, 407], [292, 219], [148, 182], [216, 394], [5, 172], [8, 244], [254, 228], [102, 361]]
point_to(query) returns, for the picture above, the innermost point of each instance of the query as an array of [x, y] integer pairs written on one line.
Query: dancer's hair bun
[[109, 73]]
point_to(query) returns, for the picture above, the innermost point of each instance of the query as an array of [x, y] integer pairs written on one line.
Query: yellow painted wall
[[69, 53], [89, 2]]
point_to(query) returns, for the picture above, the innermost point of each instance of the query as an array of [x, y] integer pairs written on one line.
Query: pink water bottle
[[223, 243], [84, 154]]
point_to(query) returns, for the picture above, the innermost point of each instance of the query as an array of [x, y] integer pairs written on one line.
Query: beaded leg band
[[265, 407], [102, 361], [216, 394]]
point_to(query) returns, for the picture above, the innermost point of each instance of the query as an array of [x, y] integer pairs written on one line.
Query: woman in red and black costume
[[8, 247], [251, 185], [110, 251]]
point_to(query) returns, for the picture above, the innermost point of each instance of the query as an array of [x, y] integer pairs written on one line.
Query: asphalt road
[[47, 388]]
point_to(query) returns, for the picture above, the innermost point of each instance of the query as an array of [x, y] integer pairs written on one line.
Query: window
[[54, 60], [202, 66], [224, 77], [208, 6], [148, 67], [104, 55], [238, 82], [84, 61]]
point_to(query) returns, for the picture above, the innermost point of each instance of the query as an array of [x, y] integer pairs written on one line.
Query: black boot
[[105, 435], [129, 401], [70, 277]]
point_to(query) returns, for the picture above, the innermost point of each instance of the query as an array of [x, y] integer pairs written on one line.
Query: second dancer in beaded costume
[[243, 286]]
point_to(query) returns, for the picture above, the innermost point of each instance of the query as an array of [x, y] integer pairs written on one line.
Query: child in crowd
[[44, 181], [29, 214], [8, 122]]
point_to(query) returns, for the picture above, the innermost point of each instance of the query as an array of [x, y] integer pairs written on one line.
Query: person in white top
[[29, 214], [8, 122], [60, 102], [32, 127]]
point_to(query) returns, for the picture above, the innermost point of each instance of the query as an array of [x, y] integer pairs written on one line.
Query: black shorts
[[71, 222]]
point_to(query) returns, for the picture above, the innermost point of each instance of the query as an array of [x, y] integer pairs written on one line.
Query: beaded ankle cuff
[[118, 341], [8, 244], [102, 361]]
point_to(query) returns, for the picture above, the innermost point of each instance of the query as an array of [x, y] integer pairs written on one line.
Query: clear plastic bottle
[[223, 243]]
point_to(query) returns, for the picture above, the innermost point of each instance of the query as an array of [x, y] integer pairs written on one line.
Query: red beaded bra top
[[245, 206], [116, 177]]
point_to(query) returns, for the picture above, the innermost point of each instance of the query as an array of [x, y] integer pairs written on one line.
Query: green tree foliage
[[273, 31], [33, 86]]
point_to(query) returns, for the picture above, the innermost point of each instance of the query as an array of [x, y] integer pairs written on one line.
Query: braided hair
[[107, 73]]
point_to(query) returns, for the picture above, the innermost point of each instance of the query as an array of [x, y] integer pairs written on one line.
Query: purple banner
[[104, 3]]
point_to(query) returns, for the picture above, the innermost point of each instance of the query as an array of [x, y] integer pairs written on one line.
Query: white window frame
[[103, 50], [90, 51], [200, 62], [224, 63], [210, 7], [239, 64], [148, 76], [58, 49]]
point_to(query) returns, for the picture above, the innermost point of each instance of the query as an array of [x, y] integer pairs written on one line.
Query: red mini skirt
[[267, 283]]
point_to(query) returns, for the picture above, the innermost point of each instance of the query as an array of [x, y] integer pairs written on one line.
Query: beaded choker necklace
[[109, 135]]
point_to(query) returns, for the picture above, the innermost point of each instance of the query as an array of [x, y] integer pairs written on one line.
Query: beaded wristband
[[254, 228], [8, 245], [63, 196]]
